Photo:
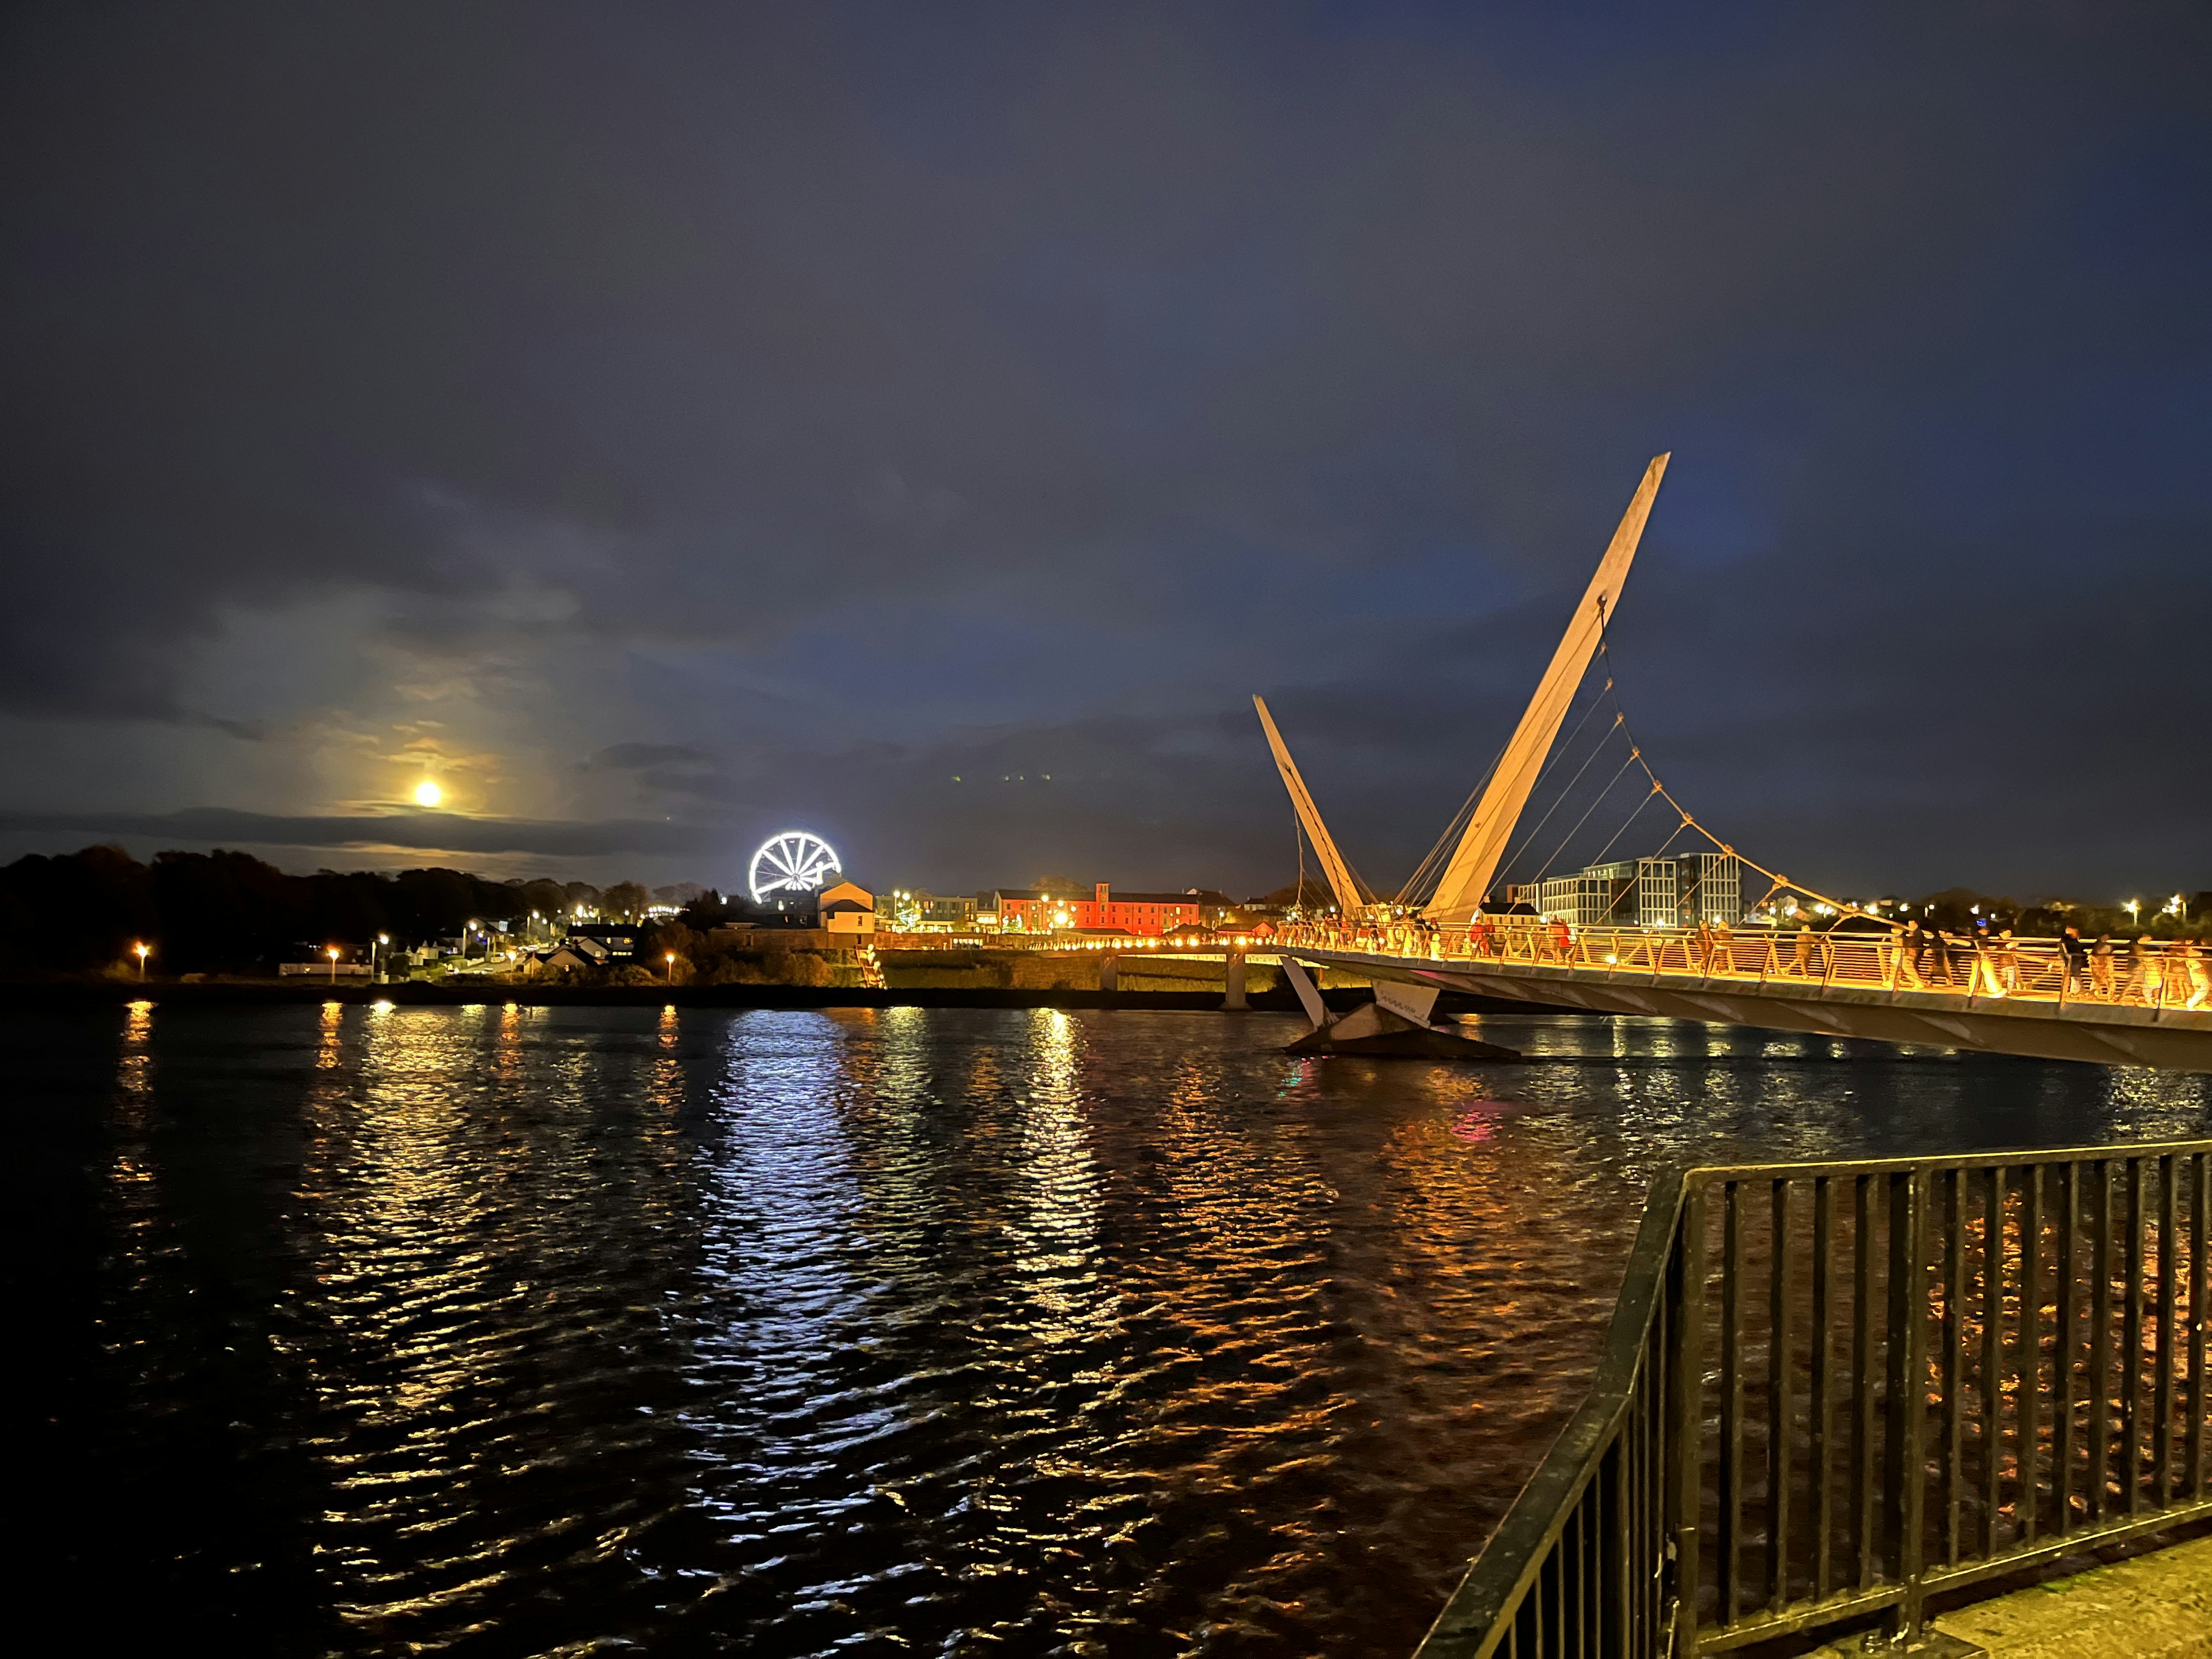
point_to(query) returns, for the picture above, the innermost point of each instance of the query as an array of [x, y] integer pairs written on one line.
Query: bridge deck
[[2143, 1007]]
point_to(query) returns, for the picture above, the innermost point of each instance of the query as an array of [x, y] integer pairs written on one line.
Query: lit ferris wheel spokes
[[794, 861]]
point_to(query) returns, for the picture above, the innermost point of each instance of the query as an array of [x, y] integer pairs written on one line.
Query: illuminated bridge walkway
[[2149, 1007]]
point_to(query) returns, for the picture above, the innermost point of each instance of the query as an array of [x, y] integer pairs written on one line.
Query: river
[[374, 1330]]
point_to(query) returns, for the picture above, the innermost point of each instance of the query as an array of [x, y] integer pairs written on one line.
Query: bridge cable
[[1592, 807], [1619, 721], [1432, 862], [1781, 883], [1650, 796]]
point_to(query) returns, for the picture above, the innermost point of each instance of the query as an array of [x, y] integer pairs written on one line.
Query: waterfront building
[[1711, 888], [921, 911], [1678, 891], [847, 907], [1588, 899], [1032, 910]]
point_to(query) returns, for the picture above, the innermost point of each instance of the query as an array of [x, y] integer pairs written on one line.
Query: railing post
[[1905, 1439], [1685, 1439]]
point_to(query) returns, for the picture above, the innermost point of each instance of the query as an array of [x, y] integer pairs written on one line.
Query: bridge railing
[[1831, 1391], [2153, 974]]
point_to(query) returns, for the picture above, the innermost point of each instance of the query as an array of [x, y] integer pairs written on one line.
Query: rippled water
[[560, 1331]]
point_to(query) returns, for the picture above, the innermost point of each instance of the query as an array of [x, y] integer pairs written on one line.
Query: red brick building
[[1023, 909]]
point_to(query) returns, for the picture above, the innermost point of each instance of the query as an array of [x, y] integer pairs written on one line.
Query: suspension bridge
[[1665, 934]]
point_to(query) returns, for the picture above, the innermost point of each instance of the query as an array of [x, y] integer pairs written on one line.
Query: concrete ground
[[2159, 1604]]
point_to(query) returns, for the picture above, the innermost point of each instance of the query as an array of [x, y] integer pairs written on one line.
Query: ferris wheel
[[795, 861]]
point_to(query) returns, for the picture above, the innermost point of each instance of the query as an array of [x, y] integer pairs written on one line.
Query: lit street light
[[144, 950], [671, 967], [333, 954]]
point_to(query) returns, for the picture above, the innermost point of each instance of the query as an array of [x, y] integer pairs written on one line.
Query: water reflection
[[533, 1330]]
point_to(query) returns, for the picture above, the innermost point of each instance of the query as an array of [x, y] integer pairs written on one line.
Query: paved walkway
[[2157, 1606]]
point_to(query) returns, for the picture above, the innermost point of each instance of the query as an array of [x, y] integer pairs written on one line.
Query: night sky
[[663, 425]]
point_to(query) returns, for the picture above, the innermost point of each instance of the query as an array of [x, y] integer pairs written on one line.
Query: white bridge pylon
[[1349, 900], [1466, 878]]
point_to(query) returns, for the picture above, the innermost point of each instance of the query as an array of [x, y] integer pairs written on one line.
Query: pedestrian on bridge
[[1987, 966], [1938, 956], [2185, 966], [2075, 956], [2142, 973], [2100, 966], [1904, 947], [1806, 962]]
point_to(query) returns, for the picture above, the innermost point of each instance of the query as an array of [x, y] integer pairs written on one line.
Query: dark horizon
[[664, 429]]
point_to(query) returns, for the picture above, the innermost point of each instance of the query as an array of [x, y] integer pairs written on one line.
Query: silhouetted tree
[[81, 911], [224, 911]]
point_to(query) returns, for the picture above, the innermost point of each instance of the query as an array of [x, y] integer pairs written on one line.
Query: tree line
[[227, 911]]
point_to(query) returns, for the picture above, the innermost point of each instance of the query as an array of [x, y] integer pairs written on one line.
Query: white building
[[1663, 892]]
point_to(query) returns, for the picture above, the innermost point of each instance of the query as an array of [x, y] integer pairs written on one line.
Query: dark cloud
[[369, 834], [791, 410], [641, 757]]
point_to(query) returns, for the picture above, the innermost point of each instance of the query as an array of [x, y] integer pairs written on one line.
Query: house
[[617, 939], [847, 907], [570, 954]]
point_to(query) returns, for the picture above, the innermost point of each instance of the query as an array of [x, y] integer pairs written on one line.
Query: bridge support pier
[[1395, 1023], [1110, 973], [1233, 1002]]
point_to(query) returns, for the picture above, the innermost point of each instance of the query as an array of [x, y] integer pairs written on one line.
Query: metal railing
[[1833, 1390], [2155, 974]]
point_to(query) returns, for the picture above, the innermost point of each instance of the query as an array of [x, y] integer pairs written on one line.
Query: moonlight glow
[[427, 793]]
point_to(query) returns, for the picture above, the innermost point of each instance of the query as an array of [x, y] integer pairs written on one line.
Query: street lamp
[[333, 954], [2133, 907], [144, 950], [671, 967]]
